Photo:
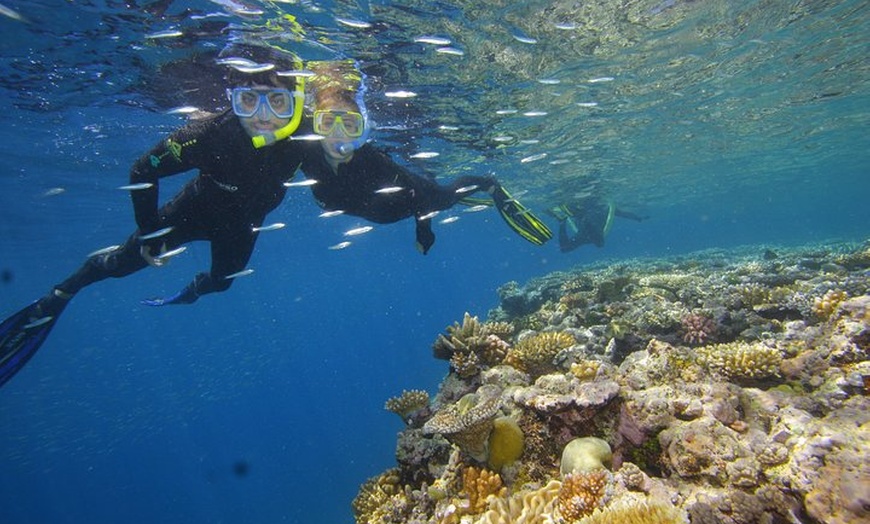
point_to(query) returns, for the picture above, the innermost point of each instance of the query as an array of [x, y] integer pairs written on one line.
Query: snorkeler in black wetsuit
[[372, 186], [243, 159], [355, 178], [587, 221]]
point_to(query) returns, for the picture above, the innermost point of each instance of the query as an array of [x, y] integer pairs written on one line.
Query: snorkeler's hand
[[155, 258]]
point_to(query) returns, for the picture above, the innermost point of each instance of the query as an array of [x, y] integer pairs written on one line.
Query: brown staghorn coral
[[741, 360], [468, 422], [407, 403], [473, 344], [581, 493], [478, 484], [534, 355]]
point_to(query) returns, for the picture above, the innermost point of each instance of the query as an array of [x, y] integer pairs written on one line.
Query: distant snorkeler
[[355, 178], [243, 160], [587, 221]]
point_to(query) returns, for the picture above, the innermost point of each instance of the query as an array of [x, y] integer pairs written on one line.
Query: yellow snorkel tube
[[280, 134]]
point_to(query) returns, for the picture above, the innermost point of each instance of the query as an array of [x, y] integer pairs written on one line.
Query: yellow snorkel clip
[[280, 134]]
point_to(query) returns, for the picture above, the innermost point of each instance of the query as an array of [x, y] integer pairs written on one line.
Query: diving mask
[[248, 101], [350, 122]]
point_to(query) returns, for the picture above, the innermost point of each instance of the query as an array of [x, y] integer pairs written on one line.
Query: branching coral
[[407, 403], [824, 306], [468, 422], [376, 495], [741, 360], [478, 485], [473, 344], [698, 328], [581, 493], [534, 355]]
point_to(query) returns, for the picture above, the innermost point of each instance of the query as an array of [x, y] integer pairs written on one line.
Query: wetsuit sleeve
[[182, 151]]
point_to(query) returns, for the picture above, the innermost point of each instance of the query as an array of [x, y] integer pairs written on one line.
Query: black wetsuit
[[589, 217], [237, 186], [372, 186]]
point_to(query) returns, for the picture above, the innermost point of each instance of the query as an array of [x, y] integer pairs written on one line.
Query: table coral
[[468, 422], [407, 403]]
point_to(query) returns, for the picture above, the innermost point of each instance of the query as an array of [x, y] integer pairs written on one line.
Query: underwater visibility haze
[[738, 131]]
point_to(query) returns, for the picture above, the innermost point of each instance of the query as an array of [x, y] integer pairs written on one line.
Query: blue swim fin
[[20, 336]]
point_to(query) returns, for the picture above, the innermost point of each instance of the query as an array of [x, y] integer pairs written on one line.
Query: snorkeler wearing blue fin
[[244, 160]]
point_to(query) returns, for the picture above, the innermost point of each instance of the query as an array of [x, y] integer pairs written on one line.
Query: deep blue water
[[265, 403]]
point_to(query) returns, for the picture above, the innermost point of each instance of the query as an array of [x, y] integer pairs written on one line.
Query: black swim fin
[[520, 219], [20, 336]]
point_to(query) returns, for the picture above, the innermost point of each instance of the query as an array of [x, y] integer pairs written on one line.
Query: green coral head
[[585, 454]]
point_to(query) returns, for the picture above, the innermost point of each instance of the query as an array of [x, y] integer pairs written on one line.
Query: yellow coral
[[585, 369], [581, 493], [505, 443], [375, 495], [525, 507], [741, 359], [534, 354], [825, 305], [478, 484], [407, 403]]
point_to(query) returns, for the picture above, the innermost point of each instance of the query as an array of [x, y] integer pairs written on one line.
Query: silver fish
[[475, 209], [271, 227], [54, 191], [533, 158], [235, 61], [450, 51], [183, 110], [467, 189], [587, 104], [253, 69], [434, 40], [429, 215], [358, 24], [535, 113], [330, 214], [524, 39], [565, 26], [549, 81], [358, 231], [103, 251], [157, 234], [340, 245], [506, 112], [301, 183], [242, 273], [425, 154], [400, 94], [502, 138], [169, 33], [449, 220], [389, 190], [38, 322], [601, 79], [169, 254], [297, 73], [137, 187], [10, 13]]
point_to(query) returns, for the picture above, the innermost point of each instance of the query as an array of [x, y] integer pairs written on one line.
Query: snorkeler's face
[[263, 105], [340, 125]]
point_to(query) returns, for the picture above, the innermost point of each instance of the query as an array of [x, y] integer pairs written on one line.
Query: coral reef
[[407, 403], [721, 388]]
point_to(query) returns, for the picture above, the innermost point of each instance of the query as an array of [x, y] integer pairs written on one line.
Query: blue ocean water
[[729, 123]]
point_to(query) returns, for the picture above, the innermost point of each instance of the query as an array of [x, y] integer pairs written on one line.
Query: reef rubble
[[718, 387]]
